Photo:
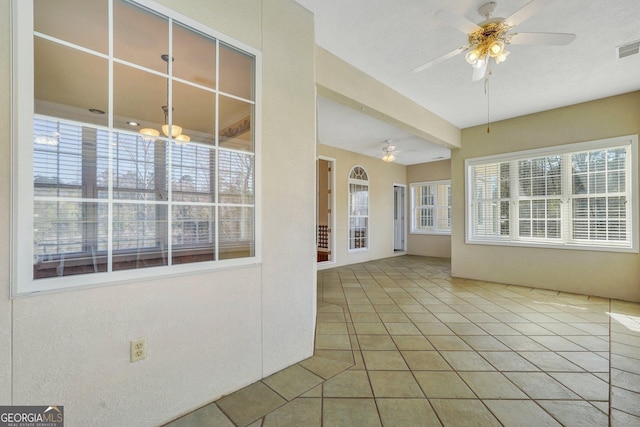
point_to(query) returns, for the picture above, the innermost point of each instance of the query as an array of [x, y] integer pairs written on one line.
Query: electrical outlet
[[138, 349]]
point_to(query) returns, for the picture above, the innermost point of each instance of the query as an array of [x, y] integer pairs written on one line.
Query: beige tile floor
[[401, 343]]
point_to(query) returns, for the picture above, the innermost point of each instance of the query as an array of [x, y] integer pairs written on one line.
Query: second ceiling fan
[[489, 38]]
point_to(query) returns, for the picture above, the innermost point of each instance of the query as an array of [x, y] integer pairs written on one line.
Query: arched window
[[358, 209]]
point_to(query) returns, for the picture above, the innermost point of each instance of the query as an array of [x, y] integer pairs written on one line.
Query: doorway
[[399, 229], [325, 211]]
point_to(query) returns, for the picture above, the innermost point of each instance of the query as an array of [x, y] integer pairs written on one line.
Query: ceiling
[[386, 39]]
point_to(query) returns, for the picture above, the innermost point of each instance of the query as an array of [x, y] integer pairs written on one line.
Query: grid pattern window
[[431, 207], [143, 144], [575, 196], [358, 209]]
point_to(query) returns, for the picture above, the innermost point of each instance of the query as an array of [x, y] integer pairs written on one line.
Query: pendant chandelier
[[174, 130]]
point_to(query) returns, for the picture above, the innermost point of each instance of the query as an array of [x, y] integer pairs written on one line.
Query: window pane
[[597, 183], [553, 229], [236, 72], [57, 157], [194, 111], [193, 234], [235, 123], [81, 22], [193, 173], [68, 239], [597, 160], [358, 233], [138, 96], [525, 208], [359, 199], [236, 177], [580, 183], [195, 56], [139, 235], [139, 168], [140, 36], [67, 83], [616, 181], [358, 173], [236, 232]]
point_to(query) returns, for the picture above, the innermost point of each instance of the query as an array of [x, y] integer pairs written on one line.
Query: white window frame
[[352, 181], [565, 241], [437, 207], [22, 192]]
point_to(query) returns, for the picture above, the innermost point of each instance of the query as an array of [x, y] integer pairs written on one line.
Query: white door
[[398, 218]]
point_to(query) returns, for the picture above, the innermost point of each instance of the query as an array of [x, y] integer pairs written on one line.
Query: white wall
[[606, 274], [5, 189], [207, 334], [289, 180], [382, 177], [433, 245]]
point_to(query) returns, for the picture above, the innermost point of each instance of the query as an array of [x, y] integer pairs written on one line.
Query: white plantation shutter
[[539, 197], [576, 196], [599, 196], [491, 191], [431, 207]]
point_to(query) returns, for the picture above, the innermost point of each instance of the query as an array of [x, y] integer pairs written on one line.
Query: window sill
[[431, 233], [544, 245]]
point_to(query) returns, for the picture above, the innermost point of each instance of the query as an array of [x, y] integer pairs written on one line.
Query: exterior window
[[575, 196], [431, 207], [143, 146], [358, 209]]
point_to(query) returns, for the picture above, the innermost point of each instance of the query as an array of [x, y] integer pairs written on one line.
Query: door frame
[[332, 216], [403, 206]]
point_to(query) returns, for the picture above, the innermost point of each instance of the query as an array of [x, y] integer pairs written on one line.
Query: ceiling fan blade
[[526, 12], [480, 69], [456, 21], [440, 59], [557, 39]]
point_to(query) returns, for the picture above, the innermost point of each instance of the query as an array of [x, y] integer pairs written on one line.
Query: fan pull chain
[[486, 92]]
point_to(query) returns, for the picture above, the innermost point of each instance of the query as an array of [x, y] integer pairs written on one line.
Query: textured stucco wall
[[207, 334], [5, 195], [288, 184], [607, 274]]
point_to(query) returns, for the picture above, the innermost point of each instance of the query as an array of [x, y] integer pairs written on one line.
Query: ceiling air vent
[[629, 49]]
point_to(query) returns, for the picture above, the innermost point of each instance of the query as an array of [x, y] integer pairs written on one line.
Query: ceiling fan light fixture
[[473, 56], [388, 157], [480, 62], [496, 48], [502, 57]]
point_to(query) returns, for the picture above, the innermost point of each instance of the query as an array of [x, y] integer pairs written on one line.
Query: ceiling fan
[[388, 152], [489, 38]]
